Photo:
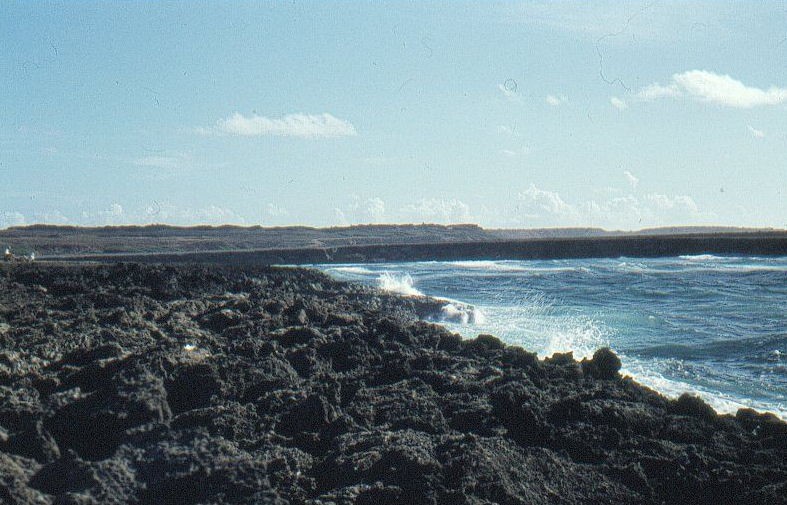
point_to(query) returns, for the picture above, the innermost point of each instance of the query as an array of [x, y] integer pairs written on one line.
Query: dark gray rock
[[161, 384]]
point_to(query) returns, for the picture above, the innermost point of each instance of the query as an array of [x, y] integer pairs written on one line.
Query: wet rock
[[604, 365]]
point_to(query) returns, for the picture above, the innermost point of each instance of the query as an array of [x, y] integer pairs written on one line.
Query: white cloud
[[537, 207], [725, 90], [664, 202], [292, 125], [631, 178], [375, 209], [535, 202], [618, 103], [11, 218], [759, 134], [655, 91], [556, 100], [188, 216], [653, 209], [711, 87], [435, 210], [370, 210]]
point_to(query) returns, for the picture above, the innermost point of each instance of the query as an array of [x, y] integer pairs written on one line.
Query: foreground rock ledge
[[162, 384]]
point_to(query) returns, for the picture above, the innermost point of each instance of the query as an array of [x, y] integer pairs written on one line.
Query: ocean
[[715, 326]]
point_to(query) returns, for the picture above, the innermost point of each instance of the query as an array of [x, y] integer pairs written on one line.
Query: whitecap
[[353, 270], [707, 257]]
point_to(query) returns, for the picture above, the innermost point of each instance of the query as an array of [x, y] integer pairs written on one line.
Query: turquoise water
[[715, 326]]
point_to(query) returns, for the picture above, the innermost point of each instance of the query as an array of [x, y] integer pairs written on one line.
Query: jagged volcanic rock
[[188, 384]]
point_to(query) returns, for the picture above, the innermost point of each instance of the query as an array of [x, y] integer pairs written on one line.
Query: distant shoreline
[[376, 243], [760, 244]]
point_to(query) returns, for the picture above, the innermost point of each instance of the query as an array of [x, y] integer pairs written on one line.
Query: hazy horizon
[[621, 116]]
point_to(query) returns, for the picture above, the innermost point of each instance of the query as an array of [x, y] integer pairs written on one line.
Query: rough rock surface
[[162, 384]]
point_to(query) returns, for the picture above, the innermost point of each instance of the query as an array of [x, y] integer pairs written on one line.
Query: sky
[[621, 115]]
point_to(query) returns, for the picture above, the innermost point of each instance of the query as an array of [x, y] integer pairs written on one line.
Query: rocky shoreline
[[129, 383]]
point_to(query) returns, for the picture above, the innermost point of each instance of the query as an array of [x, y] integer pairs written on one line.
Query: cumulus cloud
[[665, 202], [653, 209], [375, 209], [440, 211], [369, 210], [556, 101], [292, 125], [188, 216], [656, 91], [706, 86], [539, 207], [618, 103], [759, 134], [631, 178], [535, 202]]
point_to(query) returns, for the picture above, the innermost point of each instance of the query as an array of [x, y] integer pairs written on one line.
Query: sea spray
[[711, 325], [400, 284]]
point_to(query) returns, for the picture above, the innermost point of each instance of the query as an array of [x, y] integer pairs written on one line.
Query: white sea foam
[[461, 313], [490, 266], [707, 257], [647, 374], [743, 269], [526, 309], [581, 336], [511, 266], [353, 270], [401, 284]]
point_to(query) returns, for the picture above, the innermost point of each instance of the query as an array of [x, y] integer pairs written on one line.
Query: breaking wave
[[707, 324], [353, 270], [401, 284], [460, 313]]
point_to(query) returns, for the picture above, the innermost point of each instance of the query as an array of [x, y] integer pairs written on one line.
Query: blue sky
[[614, 114]]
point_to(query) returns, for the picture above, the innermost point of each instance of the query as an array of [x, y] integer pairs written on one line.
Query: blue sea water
[[715, 326]]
